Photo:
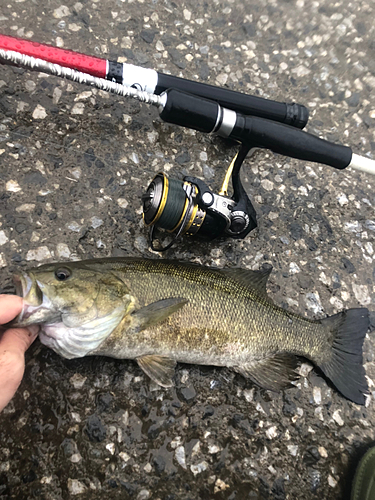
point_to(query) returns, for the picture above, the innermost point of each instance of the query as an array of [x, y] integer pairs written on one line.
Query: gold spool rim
[[192, 217], [163, 201]]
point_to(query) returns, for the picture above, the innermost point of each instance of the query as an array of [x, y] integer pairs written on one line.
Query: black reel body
[[190, 207]]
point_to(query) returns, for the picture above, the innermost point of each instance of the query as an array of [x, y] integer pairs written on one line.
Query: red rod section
[[87, 64], [155, 83]]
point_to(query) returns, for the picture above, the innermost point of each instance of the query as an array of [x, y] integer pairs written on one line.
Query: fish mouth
[[23, 284], [36, 305], [28, 288]]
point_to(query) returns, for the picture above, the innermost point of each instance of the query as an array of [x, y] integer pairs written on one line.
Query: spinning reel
[[190, 207]]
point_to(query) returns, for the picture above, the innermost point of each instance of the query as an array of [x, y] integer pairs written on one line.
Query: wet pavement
[[74, 163]]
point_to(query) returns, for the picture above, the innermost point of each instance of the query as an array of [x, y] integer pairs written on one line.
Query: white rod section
[[363, 164]]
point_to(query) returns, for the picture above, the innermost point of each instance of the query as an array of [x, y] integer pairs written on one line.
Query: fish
[[160, 312]]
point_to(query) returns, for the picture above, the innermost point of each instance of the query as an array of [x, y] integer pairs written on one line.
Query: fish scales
[[223, 318], [161, 312]]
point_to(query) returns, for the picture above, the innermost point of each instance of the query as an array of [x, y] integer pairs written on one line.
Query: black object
[[190, 207], [289, 141], [293, 114], [208, 116]]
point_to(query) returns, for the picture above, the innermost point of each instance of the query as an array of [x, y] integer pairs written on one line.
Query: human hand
[[13, 344]]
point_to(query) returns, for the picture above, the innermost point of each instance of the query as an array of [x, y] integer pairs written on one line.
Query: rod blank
[[362, 164]]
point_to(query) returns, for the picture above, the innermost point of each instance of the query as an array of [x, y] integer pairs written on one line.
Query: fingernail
[[33, 329]]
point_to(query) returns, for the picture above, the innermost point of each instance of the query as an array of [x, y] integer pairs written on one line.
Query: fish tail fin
[[342, 362]]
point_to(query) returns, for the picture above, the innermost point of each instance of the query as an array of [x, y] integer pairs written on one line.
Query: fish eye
[[62, 274]]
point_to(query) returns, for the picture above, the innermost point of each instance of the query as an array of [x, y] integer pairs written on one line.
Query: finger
[[18, 339], [12, 367], [10, 307], [13, 345]]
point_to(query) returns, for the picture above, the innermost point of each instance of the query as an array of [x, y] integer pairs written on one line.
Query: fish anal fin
[[256, 280], [160, 369], [274, 372], [156, 312]]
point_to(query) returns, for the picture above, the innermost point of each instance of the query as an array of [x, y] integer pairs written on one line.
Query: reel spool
[[171, 204]]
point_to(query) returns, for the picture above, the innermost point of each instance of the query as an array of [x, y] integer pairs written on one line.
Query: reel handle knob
[[239, 223]]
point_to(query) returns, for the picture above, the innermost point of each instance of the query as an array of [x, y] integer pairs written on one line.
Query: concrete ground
[[74, 163]]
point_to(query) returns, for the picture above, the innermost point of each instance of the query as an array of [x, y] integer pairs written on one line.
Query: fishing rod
[[153, 82], [190, 206]]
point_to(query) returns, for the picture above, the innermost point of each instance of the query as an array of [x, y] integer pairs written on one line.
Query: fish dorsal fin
[[156, 312], [160, 369], [274, 372], [256, 280]]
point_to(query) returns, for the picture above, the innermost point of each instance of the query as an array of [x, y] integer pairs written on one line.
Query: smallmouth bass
[[160, 312]]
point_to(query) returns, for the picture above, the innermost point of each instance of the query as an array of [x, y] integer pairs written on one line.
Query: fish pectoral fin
[[256, 280], [157, 312], [274, 372], [160, 369]]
